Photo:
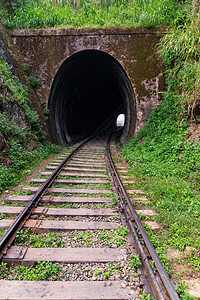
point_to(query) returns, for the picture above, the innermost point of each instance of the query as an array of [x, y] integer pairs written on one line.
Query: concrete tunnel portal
[[90, 89]]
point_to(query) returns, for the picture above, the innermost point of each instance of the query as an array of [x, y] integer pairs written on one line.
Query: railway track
[[74, 230]]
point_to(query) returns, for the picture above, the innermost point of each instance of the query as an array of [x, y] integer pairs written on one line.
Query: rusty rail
[[163, 288], [8, 237]]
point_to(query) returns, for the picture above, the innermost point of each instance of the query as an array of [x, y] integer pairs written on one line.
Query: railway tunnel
[[90, 89]]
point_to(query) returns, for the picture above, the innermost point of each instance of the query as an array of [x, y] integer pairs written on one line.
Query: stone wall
[[135, 49]]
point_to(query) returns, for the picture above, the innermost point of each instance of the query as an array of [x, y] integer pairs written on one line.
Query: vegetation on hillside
[[89, 13], [18, 92], [164, 157], [23, 140]]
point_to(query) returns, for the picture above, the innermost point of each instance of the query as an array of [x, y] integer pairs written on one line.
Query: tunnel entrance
[[90, 89]]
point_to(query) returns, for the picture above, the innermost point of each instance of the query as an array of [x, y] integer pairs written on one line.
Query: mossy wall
[[135, 49]]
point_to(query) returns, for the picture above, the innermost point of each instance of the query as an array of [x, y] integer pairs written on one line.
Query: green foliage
[[21, 161], [90, 13], [180, 51], [3, 270], [41, 271], [164, 160], [163, 141], [18, 137], [2, 216], [167, 166], [34, 81], [116, 238], [114, 200], [27, 69], [181, 288], [146, 297], [98, 272], [2, 231], [30, 238], [12, 132], [193, 259], [108, 238], [160, 245], [19, 92], [107, 274], [135, 261]]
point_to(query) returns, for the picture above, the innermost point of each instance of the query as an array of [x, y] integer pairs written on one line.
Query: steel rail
[[161, 270], [27, 210], [155, 286]]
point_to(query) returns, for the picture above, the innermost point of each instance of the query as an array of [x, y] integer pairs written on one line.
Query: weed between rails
[[41, 271], [70, 272], [81, 178], [77, 218], [97, 238], [67, 205], [94, 186], [14, 203], [99, 195], [95, 271], [4, 216]]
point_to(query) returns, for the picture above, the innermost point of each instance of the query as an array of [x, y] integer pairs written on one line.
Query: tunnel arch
[[90, 88]]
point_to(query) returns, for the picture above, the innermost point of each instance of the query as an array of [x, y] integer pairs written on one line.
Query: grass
[[193, 260], [53, 14], [171, 182], [163, 158], [23, 161]]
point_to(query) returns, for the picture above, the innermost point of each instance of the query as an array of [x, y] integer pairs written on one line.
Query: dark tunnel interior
[[90, 89]]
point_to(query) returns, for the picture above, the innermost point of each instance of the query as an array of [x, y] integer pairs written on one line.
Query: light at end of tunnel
[[120, 120]]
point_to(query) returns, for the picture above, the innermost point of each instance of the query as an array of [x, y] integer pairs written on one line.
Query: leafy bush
[[34, 81], [12, 132]]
